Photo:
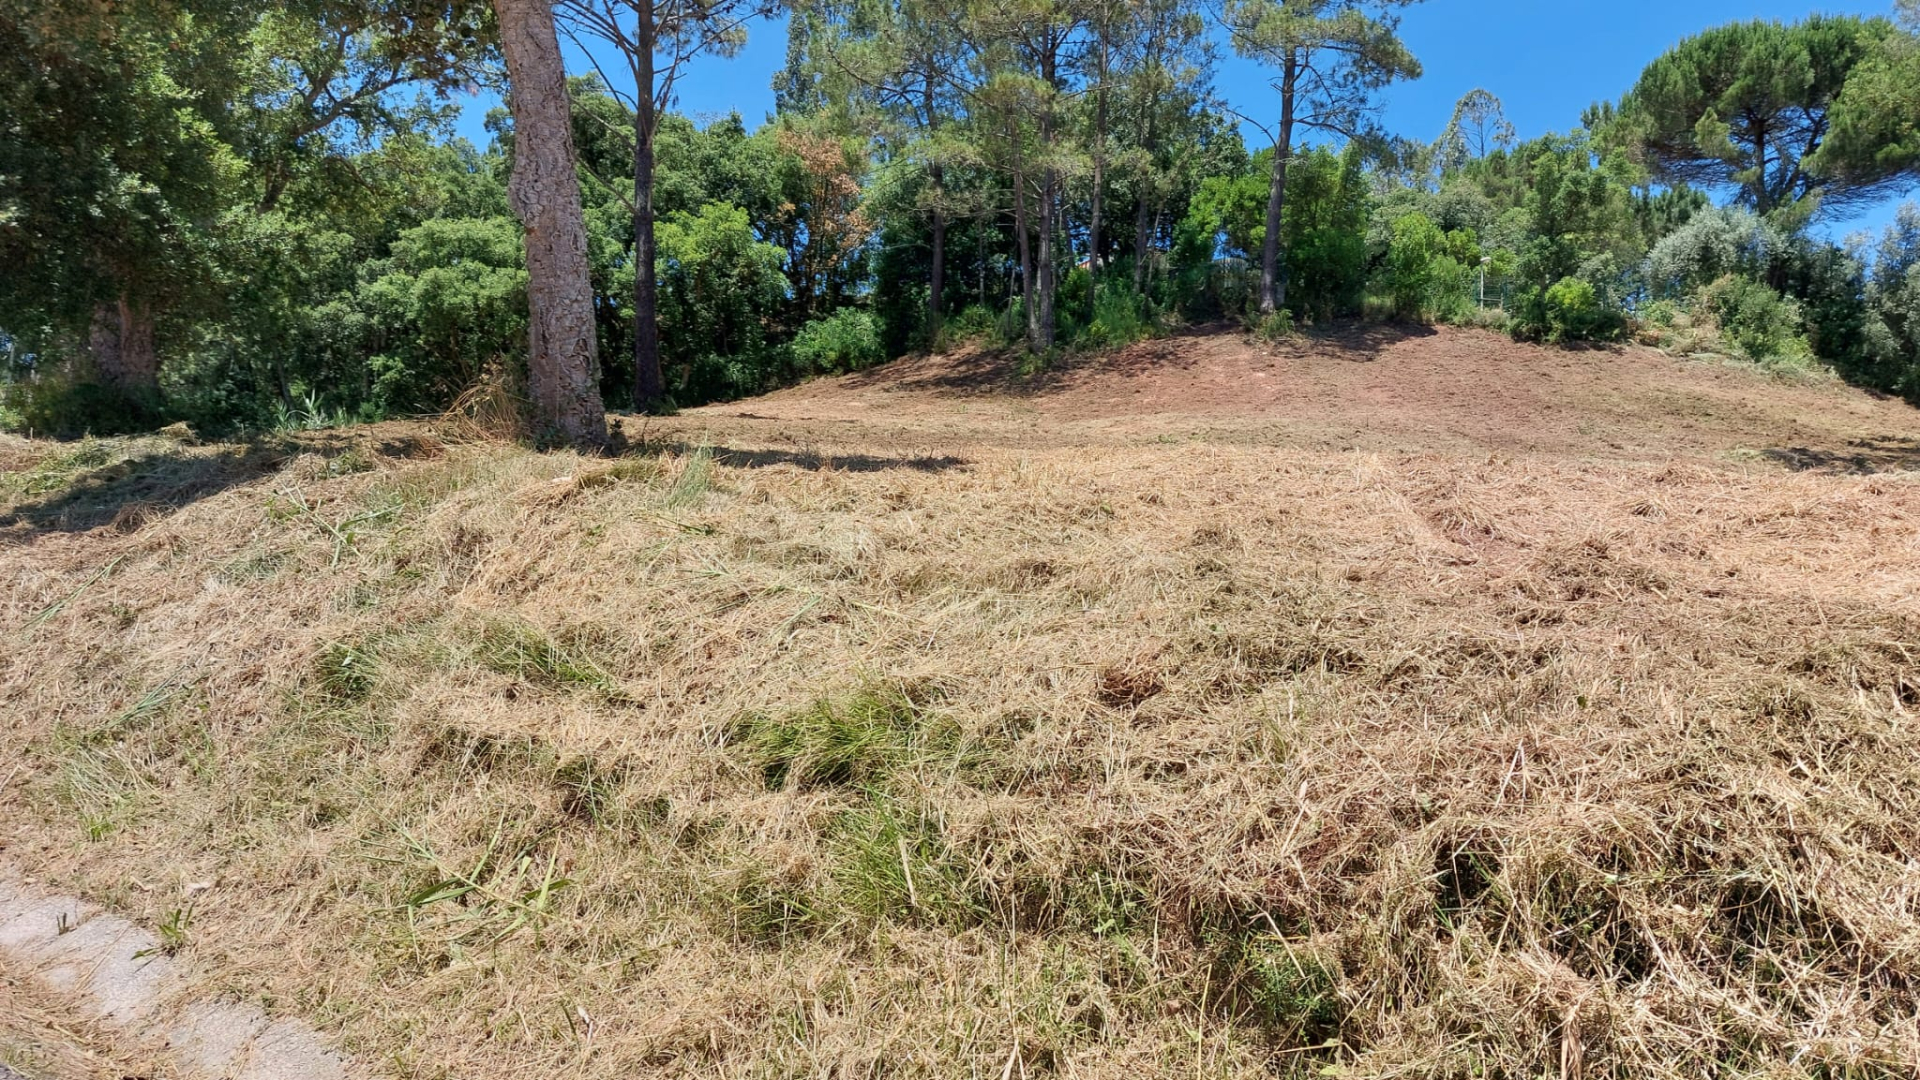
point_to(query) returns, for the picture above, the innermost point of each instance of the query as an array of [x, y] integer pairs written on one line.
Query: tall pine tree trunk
[[1099, 177], [1046, 285], [121, 343], [649, 384], [937, 276], [1041, 324], [1023, 242], [562, 347], [1273, 274], [1140, 221]]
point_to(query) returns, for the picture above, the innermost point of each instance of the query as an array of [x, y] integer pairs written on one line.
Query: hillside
[[1370, 388], [1380, 704]]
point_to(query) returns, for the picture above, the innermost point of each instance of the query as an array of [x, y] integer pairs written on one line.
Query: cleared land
[[1401, 705]]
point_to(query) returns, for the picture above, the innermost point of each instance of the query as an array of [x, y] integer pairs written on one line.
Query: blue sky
[[1547, 61]]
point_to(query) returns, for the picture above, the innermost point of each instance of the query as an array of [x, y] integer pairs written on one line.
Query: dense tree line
[[246, 214]]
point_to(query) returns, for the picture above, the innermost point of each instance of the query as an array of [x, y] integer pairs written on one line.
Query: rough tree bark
[[1094, 251], [562, 357], [649, 385], [1273, 273], [937, 176], [1040, 325], [1023, 244], [122, 346]]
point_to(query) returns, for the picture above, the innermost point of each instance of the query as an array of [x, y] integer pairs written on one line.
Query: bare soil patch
[[1371, 387]]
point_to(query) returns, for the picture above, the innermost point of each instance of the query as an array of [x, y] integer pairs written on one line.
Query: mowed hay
[[1114, 762]]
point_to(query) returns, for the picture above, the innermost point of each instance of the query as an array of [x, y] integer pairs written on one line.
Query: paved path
[[112, 972]]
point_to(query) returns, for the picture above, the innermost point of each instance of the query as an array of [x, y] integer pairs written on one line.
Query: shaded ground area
[[1360, 387]]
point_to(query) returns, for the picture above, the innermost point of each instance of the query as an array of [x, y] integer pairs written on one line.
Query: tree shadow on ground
[[815, 462], [1886, 453], [132, 492]]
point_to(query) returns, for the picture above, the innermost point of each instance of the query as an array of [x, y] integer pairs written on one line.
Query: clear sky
[[1546, 60]]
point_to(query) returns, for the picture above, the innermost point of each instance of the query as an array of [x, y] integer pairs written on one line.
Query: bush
[[847, 340], [1274, 327], [972, 323], [1120, 317], [1757, 322], [1572, 311], [64, 408], [1427, 273], [1710, 246]]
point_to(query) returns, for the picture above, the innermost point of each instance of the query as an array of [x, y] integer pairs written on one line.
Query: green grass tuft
[[855, 742]]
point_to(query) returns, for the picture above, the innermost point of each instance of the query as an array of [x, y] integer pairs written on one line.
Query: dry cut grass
[[1121, 762]]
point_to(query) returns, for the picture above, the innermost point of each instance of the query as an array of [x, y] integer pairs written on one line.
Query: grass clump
[[694, 481], [515, 647], [857, 741], [1286, 990], [892, 862], [346, 673]]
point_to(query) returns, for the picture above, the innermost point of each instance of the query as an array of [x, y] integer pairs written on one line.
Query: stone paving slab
[[114, 972]]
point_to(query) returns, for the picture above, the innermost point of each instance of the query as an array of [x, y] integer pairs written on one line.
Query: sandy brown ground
[[1446, 709], [1355, 388]]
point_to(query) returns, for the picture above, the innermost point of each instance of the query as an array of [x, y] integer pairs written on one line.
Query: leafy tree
[[1712, 245], [449, 301], [1876, 122], [719, 285], [1753, 107], [1479, 127], [1580, 236], [1330, 56], [113, 168], [1891, 360]]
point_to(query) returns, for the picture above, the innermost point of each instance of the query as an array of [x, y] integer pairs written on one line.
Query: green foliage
[[858, 741], [1323, 227], [1711, 245], [1428, 272], [449, 301], [64, 407], [1579, 236], [1120, 317], [972, 323], [720, 286], [1275, 327], [1572, 311], [1757, 321], [1889, 358], [314, 249], [847, 340], [1749, 106]]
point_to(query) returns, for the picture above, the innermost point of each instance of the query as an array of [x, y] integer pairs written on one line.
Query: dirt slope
[[1430, 707], [1359, 387]]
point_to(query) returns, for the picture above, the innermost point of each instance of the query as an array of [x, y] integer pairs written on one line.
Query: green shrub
[[1572, 311], [847, 340], [1757, 322], [1274, 327], [974, 322], [1120, 317], [64, 408], [1428, 273]]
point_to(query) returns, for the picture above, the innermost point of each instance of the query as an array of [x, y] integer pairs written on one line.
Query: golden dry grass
[[1109, 761]]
